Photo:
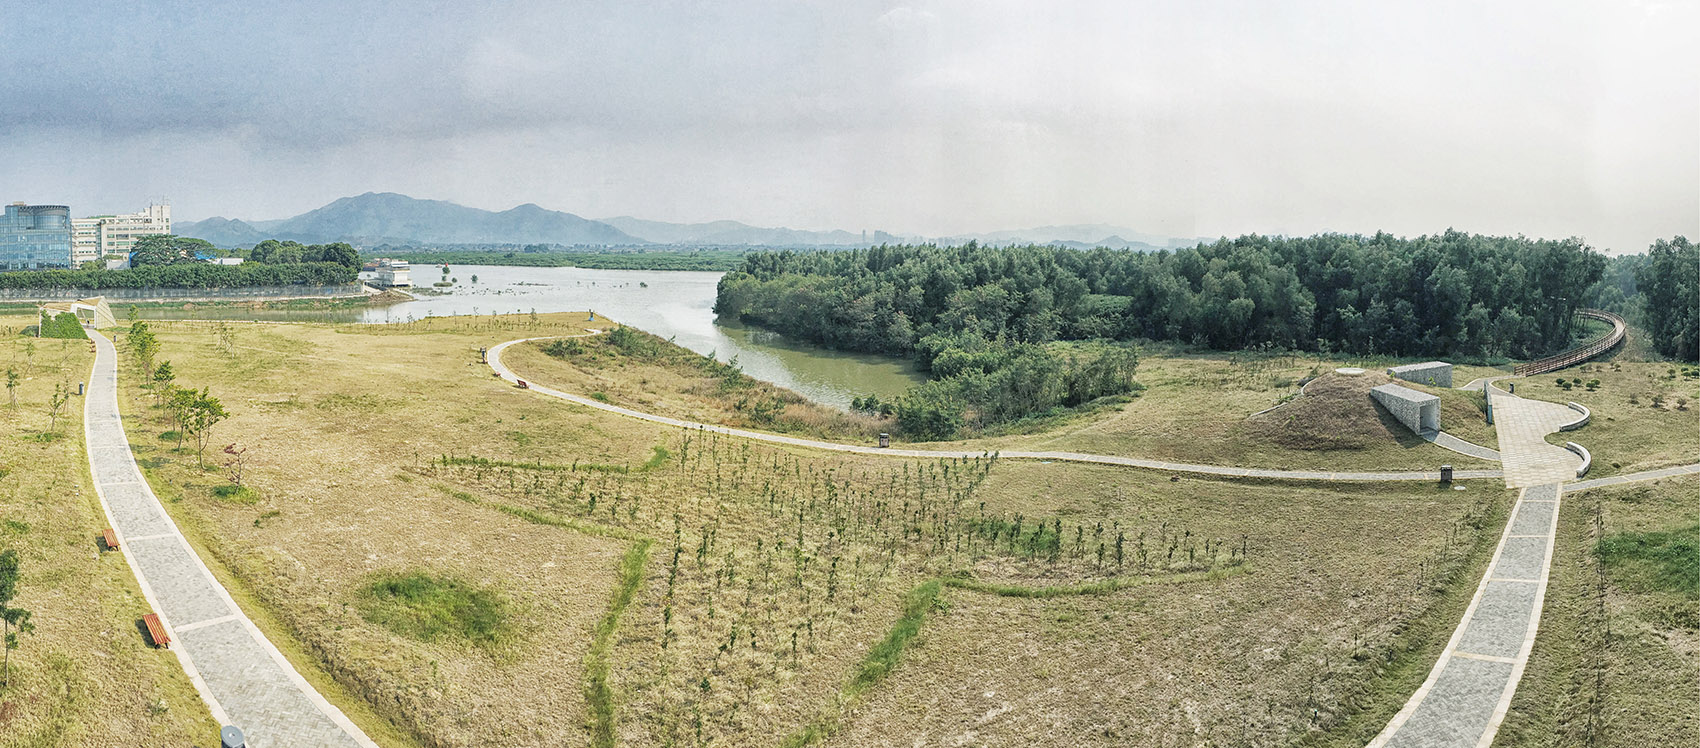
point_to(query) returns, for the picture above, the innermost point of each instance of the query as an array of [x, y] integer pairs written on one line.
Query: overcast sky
[[1189, 118]]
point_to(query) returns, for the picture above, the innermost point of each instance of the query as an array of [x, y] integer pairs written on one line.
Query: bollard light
[[231, 737]]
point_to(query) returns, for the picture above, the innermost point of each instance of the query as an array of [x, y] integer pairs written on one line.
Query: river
[[668, 303]]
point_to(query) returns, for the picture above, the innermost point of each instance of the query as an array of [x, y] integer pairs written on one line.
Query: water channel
[[675, 304]]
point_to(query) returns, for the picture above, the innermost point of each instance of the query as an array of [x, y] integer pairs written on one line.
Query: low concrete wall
[[1419, 411], [1434, 373], [1580, 422], [1587, 459], [182, 294]]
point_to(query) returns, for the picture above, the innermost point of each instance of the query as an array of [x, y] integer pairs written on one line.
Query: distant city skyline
[[932, 119]]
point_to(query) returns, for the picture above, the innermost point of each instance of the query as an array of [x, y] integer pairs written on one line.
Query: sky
[[1195, 118]]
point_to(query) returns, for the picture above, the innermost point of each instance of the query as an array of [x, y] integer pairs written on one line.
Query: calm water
[[668, 303]]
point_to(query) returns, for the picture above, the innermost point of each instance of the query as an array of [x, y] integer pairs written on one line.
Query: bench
[[111, 539], [523, 385], [156, 631]]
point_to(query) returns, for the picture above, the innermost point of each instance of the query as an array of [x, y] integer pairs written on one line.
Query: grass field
[[1617, 658], [456, 561], [86, 676], [1646, 414], [1200, 408], [1196, 408]]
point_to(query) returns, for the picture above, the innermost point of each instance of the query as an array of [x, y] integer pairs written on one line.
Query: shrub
[[426, 607], [563, 347]]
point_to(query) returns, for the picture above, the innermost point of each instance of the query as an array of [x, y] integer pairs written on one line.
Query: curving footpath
[[494, 358], [1469, 689], [244, 679]]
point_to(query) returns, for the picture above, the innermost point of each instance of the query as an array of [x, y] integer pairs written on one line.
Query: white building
[[103, 236], [393, 273]]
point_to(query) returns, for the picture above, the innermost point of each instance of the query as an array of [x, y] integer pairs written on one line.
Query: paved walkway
[[494, 357], [1447, 441], [244, 680], [1465, 698], [1645, 475], [1525, 455]]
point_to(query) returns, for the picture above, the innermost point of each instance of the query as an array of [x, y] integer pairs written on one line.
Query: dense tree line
[[1452, 295], [185, 275], [1668, 280], [274, 252]]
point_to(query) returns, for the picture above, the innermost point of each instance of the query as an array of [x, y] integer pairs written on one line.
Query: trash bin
[[1445, 473], [885, 440], [231, 737]]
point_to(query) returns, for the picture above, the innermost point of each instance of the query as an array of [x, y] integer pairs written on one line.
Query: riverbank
[[716, 260]]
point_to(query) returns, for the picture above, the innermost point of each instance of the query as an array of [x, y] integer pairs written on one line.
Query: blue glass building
[[35, 236]]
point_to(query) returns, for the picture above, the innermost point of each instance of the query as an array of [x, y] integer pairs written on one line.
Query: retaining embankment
[[246, 293]]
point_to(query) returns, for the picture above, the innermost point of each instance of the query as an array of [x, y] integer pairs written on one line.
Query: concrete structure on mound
[[93, 311], [1431, 373], [1420, 412]]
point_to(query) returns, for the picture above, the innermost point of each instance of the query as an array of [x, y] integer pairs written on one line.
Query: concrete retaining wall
[[1580, 422], [1419, 411], [1433, 373], [1581, 451], [182, 294]]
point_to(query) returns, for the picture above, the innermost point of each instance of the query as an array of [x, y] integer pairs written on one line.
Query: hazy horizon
[[931, 119]]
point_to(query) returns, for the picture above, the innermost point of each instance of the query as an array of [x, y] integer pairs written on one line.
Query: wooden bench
[[156, 631], [111, 539], [523, 385]]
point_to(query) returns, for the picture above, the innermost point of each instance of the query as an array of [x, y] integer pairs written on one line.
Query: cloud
[[1207, 117]]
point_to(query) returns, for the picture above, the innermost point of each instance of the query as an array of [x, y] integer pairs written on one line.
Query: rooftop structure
[[1419, 411], [91, 311], [34, 237], [1431, 373]]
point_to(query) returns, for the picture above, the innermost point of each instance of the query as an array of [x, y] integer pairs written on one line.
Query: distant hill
[[223, 232], [733, 233], [387, 217], [377, 218], [1086, 234]]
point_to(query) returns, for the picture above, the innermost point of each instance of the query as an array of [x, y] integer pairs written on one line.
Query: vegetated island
[[1013, 333]]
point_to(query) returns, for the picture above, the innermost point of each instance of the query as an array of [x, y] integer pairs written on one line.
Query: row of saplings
[[193, 412], [781, 563]]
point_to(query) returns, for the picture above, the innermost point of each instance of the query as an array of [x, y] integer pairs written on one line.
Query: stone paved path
[[244, 680], [494, 357], [1469, 690], [1447, 441], [1525, 455], [1644, 475]]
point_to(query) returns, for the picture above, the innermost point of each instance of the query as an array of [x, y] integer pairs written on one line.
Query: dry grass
[[1609, 667], [86, 676], [771, 571], [1197, 408], [1256, 659], [1638, 421], [334, 417], [671, 380]]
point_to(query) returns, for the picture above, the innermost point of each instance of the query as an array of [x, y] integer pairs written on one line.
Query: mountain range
[[389, 218]]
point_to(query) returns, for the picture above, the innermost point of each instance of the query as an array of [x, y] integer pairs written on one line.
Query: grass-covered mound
[[1335, 412], [63, 326], [429, 607]]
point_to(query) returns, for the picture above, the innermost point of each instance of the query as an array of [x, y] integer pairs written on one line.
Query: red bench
[[523, 385], [156, 631], [111, 539]]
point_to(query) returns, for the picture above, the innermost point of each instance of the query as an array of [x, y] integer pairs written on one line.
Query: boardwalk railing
[[1578, 355]]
